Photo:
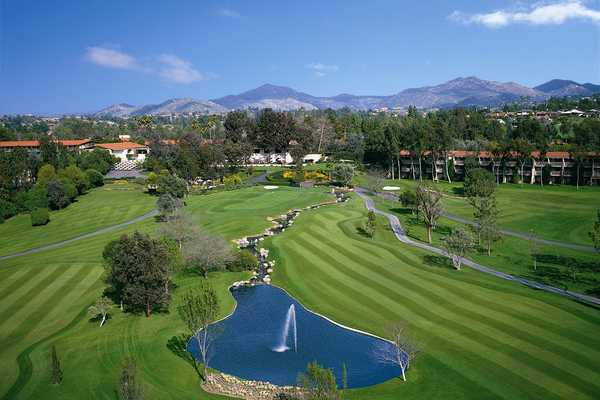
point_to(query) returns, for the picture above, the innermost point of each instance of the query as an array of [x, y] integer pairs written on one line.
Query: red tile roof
[[36, 143], [121, 146]]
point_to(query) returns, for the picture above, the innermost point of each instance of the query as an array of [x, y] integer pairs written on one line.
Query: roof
[[36, 143], [121, 146]]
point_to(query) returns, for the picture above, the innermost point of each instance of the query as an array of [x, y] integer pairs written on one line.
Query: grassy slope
[[244, 212], [44, 298], [513, 255], [484, 337], [105, 206], [553, 212]]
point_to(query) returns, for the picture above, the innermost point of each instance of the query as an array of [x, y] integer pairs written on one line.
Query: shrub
[[232, 180], [7, 209], [70, 190], [40, 216], [95, 178], [244, 261], [45, 174], [36, 197], [75, 176]]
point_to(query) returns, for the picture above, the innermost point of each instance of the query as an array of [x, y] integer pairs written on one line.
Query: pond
[[271, 337]]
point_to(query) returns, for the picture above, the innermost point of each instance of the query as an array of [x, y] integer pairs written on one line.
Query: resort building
[[130, 154], [34, 145], [558, 167]]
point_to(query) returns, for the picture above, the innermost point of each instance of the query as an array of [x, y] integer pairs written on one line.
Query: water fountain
[[290, 322]]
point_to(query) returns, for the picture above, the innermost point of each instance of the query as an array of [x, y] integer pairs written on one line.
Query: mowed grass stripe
[[470, 287], [88, 277], [497, 327], [37, 307], [535, 369], [575, 351], [12, 278], [412, 312], [29, 286]]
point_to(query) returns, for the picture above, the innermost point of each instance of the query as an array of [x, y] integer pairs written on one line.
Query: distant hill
[[173, 106], [459, 92], [563, 88]]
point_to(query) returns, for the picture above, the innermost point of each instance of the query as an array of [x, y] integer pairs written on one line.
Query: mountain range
[[460, 92]]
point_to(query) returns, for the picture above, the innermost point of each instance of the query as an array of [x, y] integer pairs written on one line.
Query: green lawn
[[45, 295], [238, 213], [552, 212], [108, 205], [555, 265], [484, 337]]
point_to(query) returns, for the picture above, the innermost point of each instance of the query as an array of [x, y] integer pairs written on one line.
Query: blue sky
[[79, 56]]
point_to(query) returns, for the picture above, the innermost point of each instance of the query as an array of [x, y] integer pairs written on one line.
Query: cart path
[[62, 243], [402, 237], [508, 232]]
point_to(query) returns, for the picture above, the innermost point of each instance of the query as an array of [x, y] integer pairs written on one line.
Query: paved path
[[508, 232], [254, 180], [401, 236], [149, 214]]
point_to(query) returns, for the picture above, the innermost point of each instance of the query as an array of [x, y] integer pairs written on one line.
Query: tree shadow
[[362, 232], [178, 346], [458, 191], [569, 262], [402, 211], [438, 261]]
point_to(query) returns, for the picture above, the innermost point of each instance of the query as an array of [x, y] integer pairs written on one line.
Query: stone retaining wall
[[220, 383]]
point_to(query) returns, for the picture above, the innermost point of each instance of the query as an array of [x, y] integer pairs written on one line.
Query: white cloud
[[110, 58], [226, 12], [538, 14], [168, 66], [178, 70], [320, 70]]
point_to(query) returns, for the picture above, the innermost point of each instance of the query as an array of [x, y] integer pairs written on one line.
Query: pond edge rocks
[[229, 385]]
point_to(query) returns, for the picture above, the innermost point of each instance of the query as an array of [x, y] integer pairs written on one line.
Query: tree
[[533, 247], [238, 126], [485, 213], [57, 194], [319, 383], [207, 252], [371, 224], [167, 205], [76, 176], [344, 376], [198, 309], [172, 185], [138, 271], [36, 197], [129, 387], [429, 205], [595, 232], [479, 183], [45, 174], [56, 374], [179, 227], [457, 244], [94, 177], [100, 309], [403, 349], [343, 174], [374, 180], [408, 199]]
